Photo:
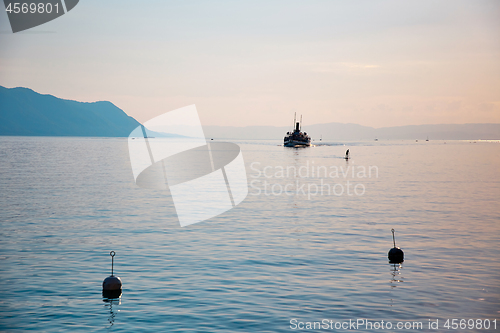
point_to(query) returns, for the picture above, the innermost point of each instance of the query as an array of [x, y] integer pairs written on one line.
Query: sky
[[373, 62]]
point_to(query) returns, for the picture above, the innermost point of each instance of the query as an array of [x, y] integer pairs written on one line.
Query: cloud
[[331, 67], [358, 66]]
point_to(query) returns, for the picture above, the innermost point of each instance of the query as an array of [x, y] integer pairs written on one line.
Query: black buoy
[[396, 255], [112, 285]]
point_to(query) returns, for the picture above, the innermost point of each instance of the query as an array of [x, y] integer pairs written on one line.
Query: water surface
[[66, 202]]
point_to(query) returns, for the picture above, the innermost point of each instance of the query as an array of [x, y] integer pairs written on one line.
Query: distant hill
[[339, 131], [26, 112]]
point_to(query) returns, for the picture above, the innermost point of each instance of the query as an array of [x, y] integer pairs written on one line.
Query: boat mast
[[300, 123], [294, 116]]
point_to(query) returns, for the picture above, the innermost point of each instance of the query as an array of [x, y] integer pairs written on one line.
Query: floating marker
[[112, 285], [396, 255]]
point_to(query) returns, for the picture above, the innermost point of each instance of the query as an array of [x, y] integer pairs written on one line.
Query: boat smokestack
[[297, 127]]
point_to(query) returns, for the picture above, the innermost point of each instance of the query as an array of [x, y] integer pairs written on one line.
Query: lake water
[[287, 256]]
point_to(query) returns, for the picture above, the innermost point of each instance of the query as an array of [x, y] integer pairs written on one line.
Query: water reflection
[[397, 277], [112, 313]]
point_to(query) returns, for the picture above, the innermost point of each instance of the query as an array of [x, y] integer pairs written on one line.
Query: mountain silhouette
[[28, 113]]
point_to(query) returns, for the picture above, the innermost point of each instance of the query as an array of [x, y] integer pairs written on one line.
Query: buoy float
[[396, 255], [112, 285]]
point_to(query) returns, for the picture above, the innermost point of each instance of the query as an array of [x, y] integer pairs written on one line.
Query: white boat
[[297, 138]]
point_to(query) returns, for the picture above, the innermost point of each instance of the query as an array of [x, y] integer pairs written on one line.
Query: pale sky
[[374, 63]]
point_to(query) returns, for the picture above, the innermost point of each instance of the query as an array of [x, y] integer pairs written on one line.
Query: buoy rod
[[393, 239], [112, 254]]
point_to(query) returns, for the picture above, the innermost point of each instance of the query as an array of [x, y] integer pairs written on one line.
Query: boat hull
[[294, 143]]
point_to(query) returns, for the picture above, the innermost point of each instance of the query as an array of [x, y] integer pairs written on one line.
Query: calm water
[[66, 202]]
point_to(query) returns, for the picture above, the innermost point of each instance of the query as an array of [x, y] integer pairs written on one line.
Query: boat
[[297, 138]]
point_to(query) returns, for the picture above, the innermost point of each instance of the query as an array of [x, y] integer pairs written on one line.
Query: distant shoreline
[[24, 112]]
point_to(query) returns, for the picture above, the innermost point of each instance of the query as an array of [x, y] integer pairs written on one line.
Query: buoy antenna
[[393, 238], [112, 254]]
